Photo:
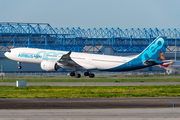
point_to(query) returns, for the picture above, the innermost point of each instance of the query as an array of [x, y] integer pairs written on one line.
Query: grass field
[[89, 91]]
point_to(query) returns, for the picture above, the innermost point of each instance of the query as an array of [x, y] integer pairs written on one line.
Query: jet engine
[[49, 66]]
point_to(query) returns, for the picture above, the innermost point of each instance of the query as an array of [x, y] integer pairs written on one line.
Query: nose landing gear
[[19, 63]]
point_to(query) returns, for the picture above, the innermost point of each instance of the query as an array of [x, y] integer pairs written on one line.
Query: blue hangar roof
[[42, 35]]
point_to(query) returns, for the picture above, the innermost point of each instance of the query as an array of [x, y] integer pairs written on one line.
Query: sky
[[93, 13]]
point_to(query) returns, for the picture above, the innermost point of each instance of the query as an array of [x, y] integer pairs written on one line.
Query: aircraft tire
[[72, 74], [77, 75], [19, 67], [91, 75], [86, 74]]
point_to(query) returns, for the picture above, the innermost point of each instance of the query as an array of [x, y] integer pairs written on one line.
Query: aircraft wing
[[66, 62]]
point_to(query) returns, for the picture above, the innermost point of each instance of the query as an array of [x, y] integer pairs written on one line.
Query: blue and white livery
[[51, 60]]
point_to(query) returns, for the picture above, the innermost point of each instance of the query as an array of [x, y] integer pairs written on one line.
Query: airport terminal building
[[107, 41]]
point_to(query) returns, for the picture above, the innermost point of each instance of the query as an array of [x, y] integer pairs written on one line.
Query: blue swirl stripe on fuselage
[[46, 55], [42, 54]]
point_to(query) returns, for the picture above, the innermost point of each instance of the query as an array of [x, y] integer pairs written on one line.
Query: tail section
[[144, 59], [166, 63], [153, 50]]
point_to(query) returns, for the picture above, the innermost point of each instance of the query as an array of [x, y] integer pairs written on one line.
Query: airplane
[[52, 60], [170, 65]]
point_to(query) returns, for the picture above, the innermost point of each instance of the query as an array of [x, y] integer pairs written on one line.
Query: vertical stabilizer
[[153, 50]]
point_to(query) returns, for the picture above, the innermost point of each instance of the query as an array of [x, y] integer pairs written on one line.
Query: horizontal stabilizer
[[152, 62]]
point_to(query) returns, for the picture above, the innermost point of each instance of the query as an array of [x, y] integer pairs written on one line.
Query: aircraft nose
[[6, 54]]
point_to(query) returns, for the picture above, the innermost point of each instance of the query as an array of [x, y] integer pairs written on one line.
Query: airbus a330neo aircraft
[[51, 60]]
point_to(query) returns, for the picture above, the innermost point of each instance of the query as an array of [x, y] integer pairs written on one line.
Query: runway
[[95, 83], [90, 109], [92, 114], [89, 103]]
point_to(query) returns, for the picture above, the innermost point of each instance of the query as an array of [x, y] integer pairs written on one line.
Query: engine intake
[[49, 66]]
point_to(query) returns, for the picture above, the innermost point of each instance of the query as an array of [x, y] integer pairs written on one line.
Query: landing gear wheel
[[19, 67], [77, 75], [72, 74], [86, 74], [19, 63], [91, 75]]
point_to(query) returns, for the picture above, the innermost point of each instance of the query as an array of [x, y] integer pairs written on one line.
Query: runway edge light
[[173, 105]]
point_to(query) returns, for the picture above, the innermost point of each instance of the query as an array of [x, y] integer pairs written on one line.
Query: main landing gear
[[88, 73], [19, 63], [77, 75]]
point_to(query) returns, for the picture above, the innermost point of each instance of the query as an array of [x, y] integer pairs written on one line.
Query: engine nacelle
[[49, 66]]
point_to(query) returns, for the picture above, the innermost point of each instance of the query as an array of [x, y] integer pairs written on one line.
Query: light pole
[[1, 74], [175, 46]]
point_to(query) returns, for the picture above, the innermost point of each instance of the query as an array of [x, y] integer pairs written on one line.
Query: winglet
[[69, 53]]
